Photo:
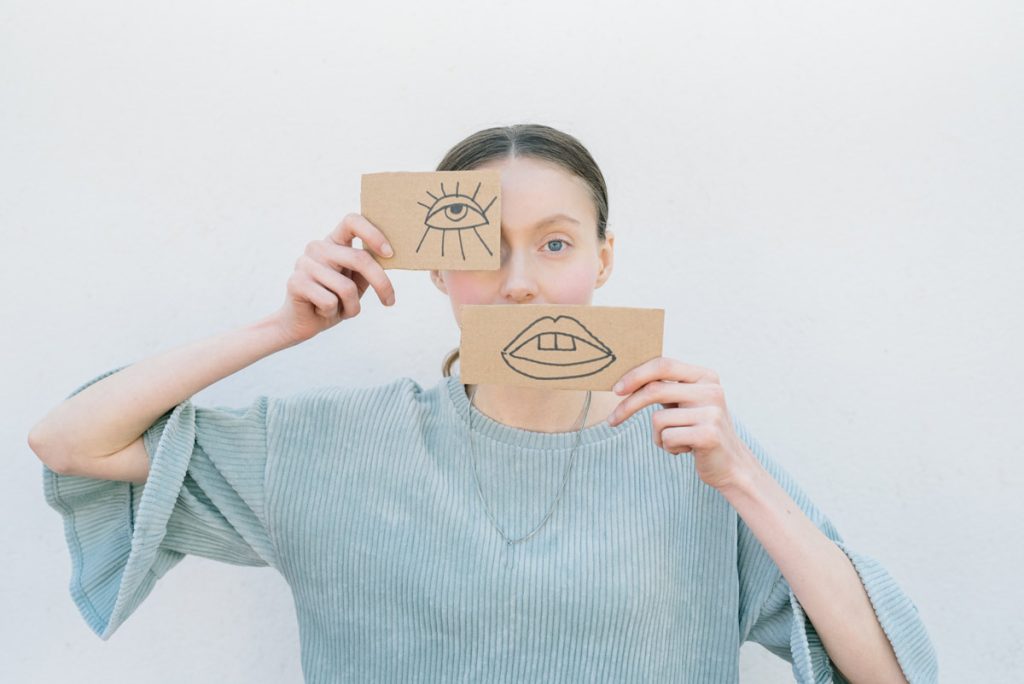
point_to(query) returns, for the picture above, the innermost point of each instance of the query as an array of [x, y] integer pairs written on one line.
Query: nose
[[519, 284]]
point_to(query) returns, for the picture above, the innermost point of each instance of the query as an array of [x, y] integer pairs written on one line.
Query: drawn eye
[[456, 212], [556, 348]]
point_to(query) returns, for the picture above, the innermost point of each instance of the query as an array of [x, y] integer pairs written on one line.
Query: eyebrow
[[554, 219]]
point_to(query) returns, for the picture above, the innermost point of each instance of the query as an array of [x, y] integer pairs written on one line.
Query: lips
[[555, 348]]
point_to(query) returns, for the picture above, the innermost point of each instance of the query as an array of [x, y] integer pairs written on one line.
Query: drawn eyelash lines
[[456, 213], [557, 348]]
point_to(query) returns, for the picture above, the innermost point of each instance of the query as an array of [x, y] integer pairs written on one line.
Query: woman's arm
[[108, 418], [820, 575]]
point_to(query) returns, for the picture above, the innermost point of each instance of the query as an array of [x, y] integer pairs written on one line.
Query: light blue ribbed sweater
[[364, 500]]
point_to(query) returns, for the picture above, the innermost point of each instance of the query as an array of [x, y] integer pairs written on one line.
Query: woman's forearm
[[113, 412], [820, 575]]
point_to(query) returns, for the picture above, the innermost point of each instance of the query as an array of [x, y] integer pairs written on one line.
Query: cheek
[[464, 288], [576, 286]]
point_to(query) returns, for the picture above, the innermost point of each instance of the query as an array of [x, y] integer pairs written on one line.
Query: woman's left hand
[[693, 419]]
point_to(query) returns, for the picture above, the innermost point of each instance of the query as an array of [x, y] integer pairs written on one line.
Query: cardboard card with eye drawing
[[559, 346], [445, 220]]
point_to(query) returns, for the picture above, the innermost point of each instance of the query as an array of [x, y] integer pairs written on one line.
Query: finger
[[349, 296], [658, 391], [680, 440], [357, 225], [361, 283], [675, 417], [663, 368], [345, 289], [359, 260], [324, 301]]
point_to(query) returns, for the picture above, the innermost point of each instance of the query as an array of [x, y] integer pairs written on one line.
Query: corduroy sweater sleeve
[[771, 615], [204, 496]]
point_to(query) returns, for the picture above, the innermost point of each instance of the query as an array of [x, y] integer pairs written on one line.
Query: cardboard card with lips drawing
[[559, 346]]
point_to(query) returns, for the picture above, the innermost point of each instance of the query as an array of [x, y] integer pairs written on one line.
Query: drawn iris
[[456, 212]]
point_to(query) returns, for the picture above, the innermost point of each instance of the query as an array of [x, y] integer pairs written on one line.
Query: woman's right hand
[[331, 276]]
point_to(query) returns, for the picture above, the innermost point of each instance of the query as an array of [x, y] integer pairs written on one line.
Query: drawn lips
[[555, 348]]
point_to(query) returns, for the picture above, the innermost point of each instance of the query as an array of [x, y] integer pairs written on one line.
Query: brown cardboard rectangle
[[608, 341], [425, 213]]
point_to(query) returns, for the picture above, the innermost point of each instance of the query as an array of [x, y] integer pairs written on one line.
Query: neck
[[539, 409]]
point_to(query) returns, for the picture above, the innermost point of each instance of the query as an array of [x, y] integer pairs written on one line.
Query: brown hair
[[528, 140]]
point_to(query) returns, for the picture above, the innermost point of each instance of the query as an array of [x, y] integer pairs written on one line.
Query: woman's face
[[550, 253]]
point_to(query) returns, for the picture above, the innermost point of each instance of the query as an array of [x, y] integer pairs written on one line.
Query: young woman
[[473, 533]]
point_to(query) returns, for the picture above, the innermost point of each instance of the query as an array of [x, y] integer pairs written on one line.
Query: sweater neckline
[[488, 428]]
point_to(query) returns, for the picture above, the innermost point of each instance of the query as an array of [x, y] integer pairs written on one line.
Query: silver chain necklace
[[565, 477]]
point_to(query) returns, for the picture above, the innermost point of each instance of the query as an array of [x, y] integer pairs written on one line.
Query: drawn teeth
[[556, 342]]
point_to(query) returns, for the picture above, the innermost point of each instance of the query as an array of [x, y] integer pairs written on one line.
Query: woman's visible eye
[[559, 245]]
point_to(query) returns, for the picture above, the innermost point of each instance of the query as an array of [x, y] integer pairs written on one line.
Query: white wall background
[[825, 198]]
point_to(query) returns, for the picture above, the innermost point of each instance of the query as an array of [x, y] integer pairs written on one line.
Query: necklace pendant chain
[[565, 476]]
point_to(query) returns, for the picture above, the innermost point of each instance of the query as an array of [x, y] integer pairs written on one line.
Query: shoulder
[[333, 401], [331, 419]]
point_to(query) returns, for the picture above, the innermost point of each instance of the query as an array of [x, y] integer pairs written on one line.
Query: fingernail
[[618, 388], [386, 250]]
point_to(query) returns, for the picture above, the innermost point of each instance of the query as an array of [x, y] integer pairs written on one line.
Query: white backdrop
[[825, 198]]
